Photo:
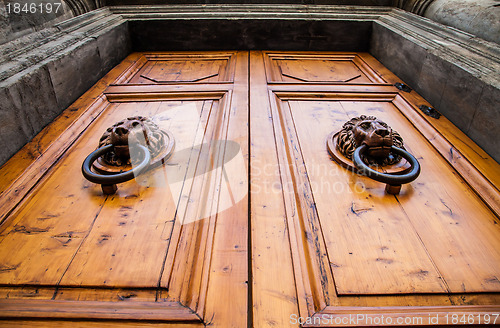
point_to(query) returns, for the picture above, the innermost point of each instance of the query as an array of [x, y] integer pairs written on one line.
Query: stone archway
[[79, 7], [414, 6]]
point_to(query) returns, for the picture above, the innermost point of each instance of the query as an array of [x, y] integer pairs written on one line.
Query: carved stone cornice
[[31, 49], [228, 11]]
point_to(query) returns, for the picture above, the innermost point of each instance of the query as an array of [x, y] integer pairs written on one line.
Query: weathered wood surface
[[274, 296], [204, 241], [90, 324], [333, 68], [412, 244], [429, 222], [166, 242], [131, 311], [368, 238]]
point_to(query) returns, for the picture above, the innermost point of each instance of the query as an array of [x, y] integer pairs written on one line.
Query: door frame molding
[[89, 310]]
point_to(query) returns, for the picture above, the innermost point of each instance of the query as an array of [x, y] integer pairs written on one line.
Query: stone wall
[[478, 17], [43, 73], [15, 23]]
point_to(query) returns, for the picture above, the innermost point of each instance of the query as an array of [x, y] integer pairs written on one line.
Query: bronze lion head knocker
[[367, 141], [127, 149]]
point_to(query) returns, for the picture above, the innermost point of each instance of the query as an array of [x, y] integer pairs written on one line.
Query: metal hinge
[[430, 111], [402, 87]]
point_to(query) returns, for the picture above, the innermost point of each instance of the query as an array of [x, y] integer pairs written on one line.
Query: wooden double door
[[250, 222]]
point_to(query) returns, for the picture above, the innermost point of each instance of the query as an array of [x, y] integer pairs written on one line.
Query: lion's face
[[131, 131], [374, 133]]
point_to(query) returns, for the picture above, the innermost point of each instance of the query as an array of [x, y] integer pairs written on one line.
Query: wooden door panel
[[319, 68], [123, 241], [49, 217], [353, 248], [183, 68], [428, 222], [455, 225], [162, 241], [110, 247], [368, 237]]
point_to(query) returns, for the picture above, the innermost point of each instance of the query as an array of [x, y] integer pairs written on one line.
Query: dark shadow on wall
[[250, 35]]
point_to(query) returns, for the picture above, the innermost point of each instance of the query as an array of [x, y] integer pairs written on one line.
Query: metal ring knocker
[[112, 161], [365, 141], [108, 182], [394, 180]]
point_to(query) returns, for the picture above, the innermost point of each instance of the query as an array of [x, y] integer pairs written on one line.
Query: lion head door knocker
[[367, 141], [127, 149]]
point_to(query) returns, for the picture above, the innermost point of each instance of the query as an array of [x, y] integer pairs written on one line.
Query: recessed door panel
[[319, 68], [184, 68], [383, 244], [103, 240]]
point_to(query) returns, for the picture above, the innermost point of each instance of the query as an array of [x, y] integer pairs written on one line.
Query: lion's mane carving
[[347, 142], [131, 131]]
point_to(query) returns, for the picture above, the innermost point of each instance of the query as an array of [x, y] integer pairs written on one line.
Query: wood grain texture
[[300, 111], [456, 227], [273, 285], [462, 149], [369, 241], [106, 294], [326, 68], [226, 299], [137, 311], [176, 68], [90, 324], [150, 252], [403, 316], [126, 246], [250, 221]]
